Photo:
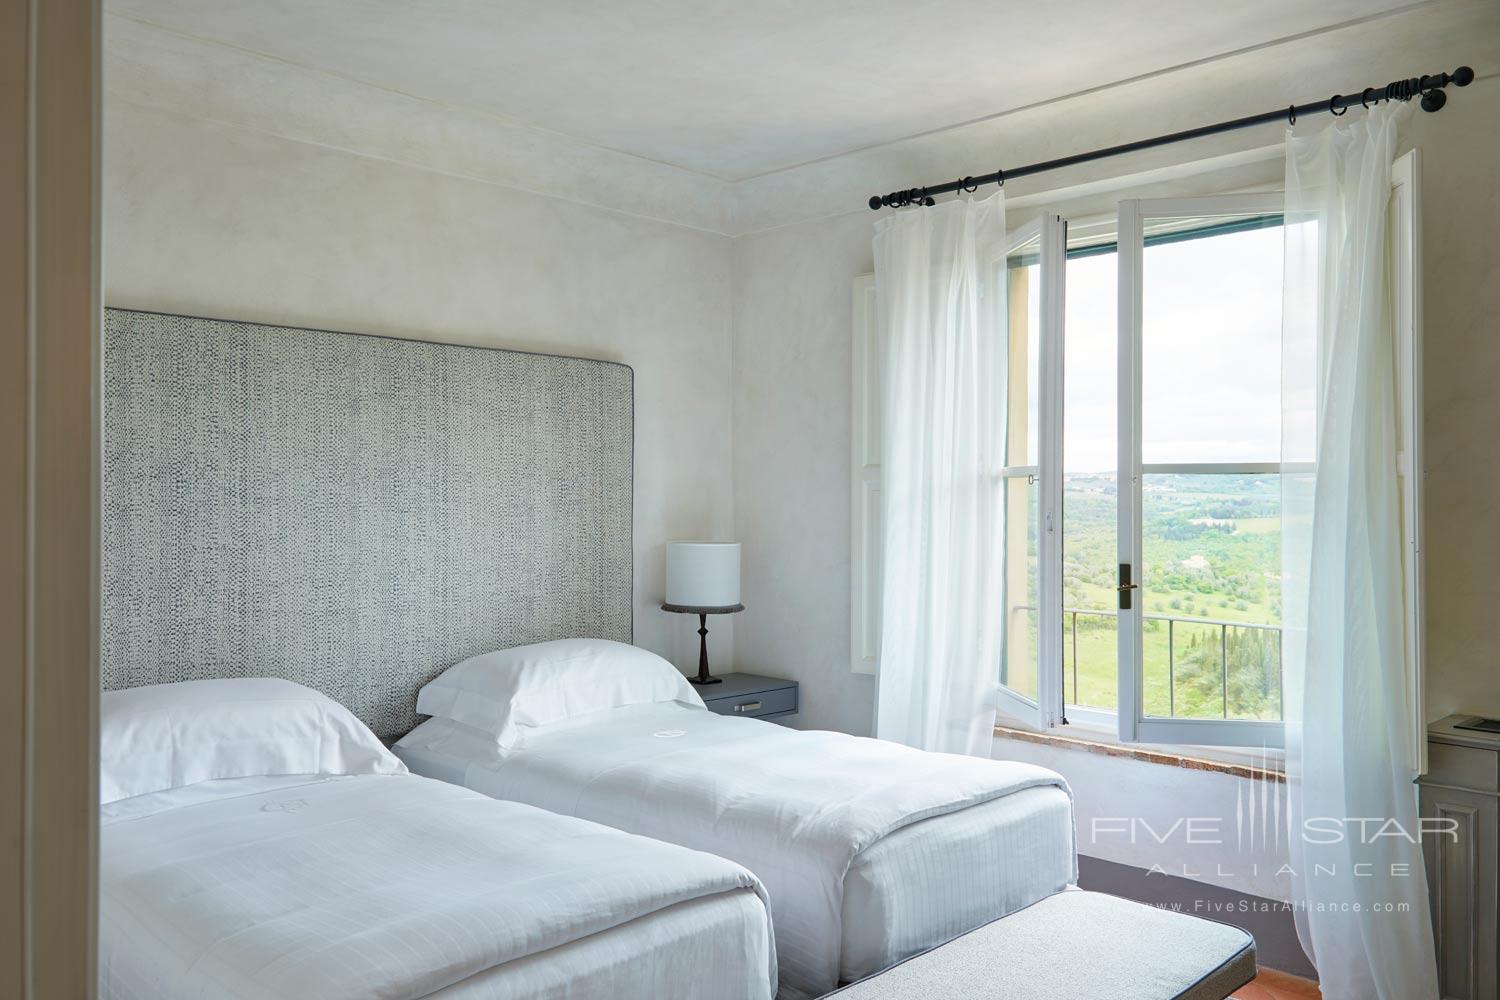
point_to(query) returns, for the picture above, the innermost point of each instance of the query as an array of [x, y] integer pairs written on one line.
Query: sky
[[1211, 358]]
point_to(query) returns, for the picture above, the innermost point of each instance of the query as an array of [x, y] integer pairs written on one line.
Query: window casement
[[1030, 687], [1143, 412], [1199, 437]]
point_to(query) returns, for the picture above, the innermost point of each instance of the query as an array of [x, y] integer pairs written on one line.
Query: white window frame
[[1134, 726], [1046, 710], [1088, 722]]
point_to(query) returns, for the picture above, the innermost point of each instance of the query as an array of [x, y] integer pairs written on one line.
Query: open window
[[1029, 669], [1148, 436]]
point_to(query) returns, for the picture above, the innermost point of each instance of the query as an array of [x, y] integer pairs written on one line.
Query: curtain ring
[[1364, 97], [1340, 111], [1000, 177], [1291, 114], [969, 184]]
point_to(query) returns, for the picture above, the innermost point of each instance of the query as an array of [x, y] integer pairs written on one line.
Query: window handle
[[1125, 587]]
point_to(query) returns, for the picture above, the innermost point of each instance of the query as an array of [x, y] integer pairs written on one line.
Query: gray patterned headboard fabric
[[354, 513]]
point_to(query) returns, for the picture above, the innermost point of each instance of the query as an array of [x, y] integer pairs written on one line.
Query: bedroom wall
[[213, 219], [793, 297], [1461, 367]]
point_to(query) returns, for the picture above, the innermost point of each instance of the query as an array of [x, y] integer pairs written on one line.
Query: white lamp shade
[[703, 574]]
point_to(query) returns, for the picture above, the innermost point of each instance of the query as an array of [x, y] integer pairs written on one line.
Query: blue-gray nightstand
[[751, 696]]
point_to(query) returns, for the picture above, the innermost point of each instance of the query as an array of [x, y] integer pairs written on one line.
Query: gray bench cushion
[[1075, 946]]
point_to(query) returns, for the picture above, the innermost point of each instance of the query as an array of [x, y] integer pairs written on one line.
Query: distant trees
[[1225, 566], [1235, 668]]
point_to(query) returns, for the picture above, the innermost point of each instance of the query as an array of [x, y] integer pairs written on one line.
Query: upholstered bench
[[1075, 945]]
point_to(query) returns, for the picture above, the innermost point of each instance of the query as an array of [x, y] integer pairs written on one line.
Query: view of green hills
[[1210, 592]]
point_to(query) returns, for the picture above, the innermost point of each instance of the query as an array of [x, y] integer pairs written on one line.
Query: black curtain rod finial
[[1434, 96]]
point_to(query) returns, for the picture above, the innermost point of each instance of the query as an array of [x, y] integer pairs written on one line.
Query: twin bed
[[264, 844], [870, 851]]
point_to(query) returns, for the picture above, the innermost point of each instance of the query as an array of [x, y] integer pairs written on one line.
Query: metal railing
[[1070, 620]]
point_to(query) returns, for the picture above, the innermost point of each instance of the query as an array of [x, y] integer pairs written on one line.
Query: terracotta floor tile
[[1273, 985]]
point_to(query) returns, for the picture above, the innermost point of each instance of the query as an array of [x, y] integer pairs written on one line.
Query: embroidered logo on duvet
[[284, 806], [669, 734]]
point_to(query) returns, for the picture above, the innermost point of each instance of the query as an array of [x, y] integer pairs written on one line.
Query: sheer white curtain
[[939, 275], [1352, 801]]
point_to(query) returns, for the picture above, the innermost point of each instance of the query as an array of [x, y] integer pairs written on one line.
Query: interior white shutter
[[1406, 265], [864, 484]]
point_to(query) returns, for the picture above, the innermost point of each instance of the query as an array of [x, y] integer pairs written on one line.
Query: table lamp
[[703, 578]]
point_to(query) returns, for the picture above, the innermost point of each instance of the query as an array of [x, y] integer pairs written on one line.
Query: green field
[[1210, 551]]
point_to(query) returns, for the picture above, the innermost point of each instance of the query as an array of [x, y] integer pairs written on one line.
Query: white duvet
[[376, 886], [794, 807]]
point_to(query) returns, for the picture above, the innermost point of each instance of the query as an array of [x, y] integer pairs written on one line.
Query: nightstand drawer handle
[[748, 706]]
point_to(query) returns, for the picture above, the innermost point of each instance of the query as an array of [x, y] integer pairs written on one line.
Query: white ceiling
[[740, 89]]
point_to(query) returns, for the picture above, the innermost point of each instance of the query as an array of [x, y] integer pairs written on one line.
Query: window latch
[[1125, 586]]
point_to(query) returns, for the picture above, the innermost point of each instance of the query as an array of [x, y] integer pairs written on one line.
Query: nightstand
[[751, 696]]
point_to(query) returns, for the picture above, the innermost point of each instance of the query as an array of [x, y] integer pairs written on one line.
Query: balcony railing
[[1174, 623]]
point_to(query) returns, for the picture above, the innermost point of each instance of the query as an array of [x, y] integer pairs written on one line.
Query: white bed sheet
[[401, 887], [861, 872]]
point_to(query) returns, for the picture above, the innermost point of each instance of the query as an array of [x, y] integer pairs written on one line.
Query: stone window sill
[[1150, 756]]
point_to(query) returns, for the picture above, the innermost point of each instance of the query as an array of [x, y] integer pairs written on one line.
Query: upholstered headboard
[[355, 513]]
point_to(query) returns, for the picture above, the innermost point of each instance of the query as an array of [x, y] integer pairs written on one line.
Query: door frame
[[50, 299]]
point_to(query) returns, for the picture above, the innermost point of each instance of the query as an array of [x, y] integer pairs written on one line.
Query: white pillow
[[170, 735], [508, 691]]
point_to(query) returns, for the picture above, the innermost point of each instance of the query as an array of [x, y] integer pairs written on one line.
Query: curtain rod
[[1429, 87]]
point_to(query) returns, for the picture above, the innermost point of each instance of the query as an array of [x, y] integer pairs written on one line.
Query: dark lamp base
[[703, 613], [705, 680]]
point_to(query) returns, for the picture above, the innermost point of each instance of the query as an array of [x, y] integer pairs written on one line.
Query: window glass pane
[[1018, 665], [1023, 393], [1211, 341], [1211, 596], [1090, 495]]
